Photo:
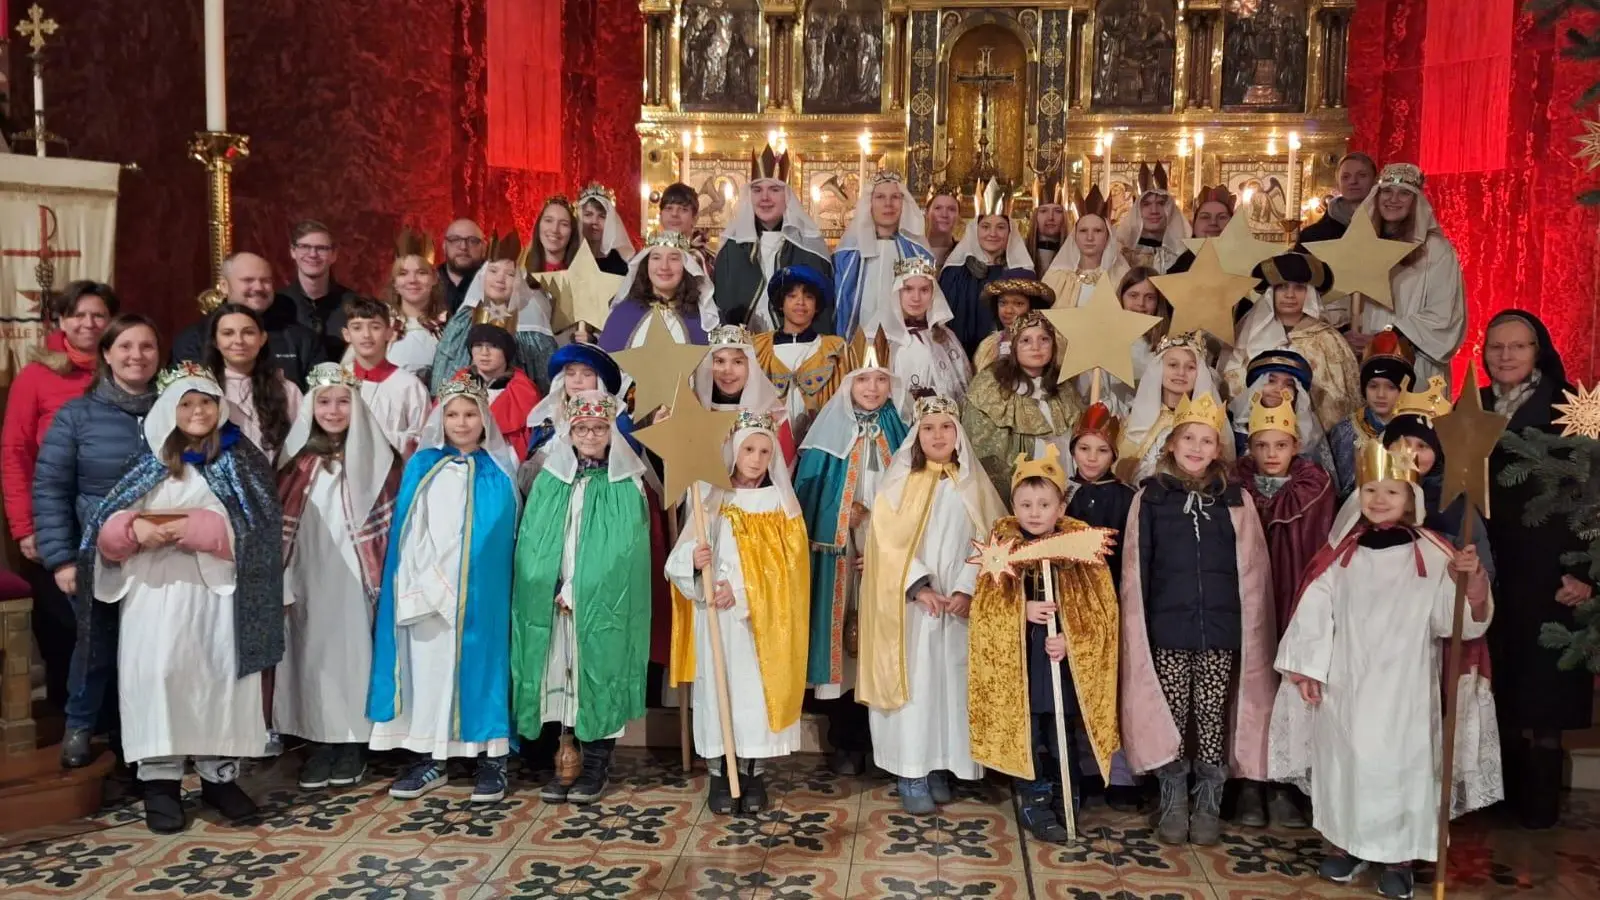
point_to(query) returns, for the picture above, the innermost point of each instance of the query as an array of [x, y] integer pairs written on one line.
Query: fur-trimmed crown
[[412, 242], [1273, 418], [915, 265], [992, 198], [186, 369], [769, 165], [330, 374], [1098, 419], [1047, 467], [934, 404], [464, 384], [1153, 180], [1375, 462], [1203, 409]]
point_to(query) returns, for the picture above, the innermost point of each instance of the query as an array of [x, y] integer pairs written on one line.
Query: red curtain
[[1466, 85], [524, 60]]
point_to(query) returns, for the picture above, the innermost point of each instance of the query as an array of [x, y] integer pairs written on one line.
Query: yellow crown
[[1430, 404], [933, 404], [668, 239], [1048, 468], [1203, 409], [873, 354], [1273, 418], [1375, 462]]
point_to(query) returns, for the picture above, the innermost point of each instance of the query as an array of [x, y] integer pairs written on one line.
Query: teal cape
[[825, 486], [483, 618], [611, 599]]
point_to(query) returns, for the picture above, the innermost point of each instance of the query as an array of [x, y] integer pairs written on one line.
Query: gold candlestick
[[218, 151]]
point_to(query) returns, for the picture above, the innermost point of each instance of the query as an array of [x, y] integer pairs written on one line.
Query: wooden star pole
[[1098, 337], [689, 443], [1467, 434], [659, 366]]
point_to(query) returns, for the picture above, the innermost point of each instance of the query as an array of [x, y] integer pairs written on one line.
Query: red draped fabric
[[524, 55], [1466, 85]]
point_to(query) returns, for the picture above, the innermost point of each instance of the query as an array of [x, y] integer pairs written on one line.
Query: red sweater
[[511, 409], [42, 387]]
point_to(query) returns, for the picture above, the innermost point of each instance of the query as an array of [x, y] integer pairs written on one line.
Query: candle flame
[[1199, 140], [1272, 146], [687, 138], [816, 194], [1294, 140], [865, 141], [772, 139]]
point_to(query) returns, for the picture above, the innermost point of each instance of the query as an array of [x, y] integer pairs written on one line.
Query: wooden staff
[[1094, 386], [1055, 685], [719, 667], [1452, 678]]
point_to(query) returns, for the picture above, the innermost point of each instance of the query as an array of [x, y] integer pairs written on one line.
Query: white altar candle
[[38, 112], [1199, 161], [683, 158], [1293, 206], [1105, 169], [866, 147], [216, 69]]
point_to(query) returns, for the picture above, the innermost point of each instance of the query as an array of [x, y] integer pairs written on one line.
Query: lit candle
[[1105, 168], [865, 141], [216, 69], [772, 140], [1294, 171], [1199, 160], [644, 206], [699, 140], [38, 112], [683, 158]]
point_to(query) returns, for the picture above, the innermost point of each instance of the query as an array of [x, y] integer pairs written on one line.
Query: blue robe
[[483, 662], [847, 281]]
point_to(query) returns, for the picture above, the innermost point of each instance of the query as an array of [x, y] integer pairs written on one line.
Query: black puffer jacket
[[294, 347], [1188, 563]]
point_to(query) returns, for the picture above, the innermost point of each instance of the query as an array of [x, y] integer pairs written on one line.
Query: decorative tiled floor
[[651, 837]]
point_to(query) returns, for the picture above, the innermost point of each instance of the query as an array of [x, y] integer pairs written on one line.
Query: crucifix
[[36, 28], [985, 77]]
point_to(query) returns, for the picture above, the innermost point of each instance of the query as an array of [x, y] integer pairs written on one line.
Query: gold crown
[[1203, 409], [769, 165], [933, 403], [1048, 468], [1375, 462], [186, 369], [1273, 418], [464, 384], [413, 243], [1027, 320], [942, 189], [582, 407], [991, 198], [729, 336], [505, 247], [1430, 404], [886, 176], [915, 265], [594, 190], [1189, 340], [872, 354], [671, 239], [751, 419], [1404, 175], [330, 374]]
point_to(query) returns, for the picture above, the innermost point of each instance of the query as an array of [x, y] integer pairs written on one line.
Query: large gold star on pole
[[1468, 434], [689, 443], [658, 366], [998, 558], [1202, 298], [1361, 261], [1099, 334], [1238, 248], [579, 293]]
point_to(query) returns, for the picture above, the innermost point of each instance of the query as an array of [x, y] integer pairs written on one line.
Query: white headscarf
[[532, 306], [614, 236], [503, 454], [621, 461], [1131, 228], [1066, 260], [709, 317], [894, 318], [977, 491], [798, 227], [1016, 249], [1260, 330], [1427, 221], [834, 430], [367, 453], [777, 472], [1147, 403], [862, 233], [758, 396], [162, 419]]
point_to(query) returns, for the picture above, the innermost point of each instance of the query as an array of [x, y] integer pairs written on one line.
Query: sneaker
[[489, 785], [1341, 869], [1396, 882], [554, 791], [349, 765], [227, 798], [752, 794], [318, 767], [591, 782], [163, 807], [719, 796], [422, 777], [916, 796], [939, 787]]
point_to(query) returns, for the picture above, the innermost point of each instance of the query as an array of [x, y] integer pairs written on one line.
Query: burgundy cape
[[1297, 520]]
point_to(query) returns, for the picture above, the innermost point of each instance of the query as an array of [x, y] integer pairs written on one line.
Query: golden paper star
[[1237, 247], [1468, 434], [1203, 297], [1099, 334], [1581, 413], [579, 293], [658, 366], [1361, 261], [1589, 142], [689, 443], [999, 558]]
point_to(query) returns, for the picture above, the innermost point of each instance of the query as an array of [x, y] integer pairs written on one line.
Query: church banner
[[58, 224]]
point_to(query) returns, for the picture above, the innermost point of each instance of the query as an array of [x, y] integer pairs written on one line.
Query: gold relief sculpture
[[843, 57], [1260, 187], [986, 86], [1135, 53], [721, 49], [1264, 55]]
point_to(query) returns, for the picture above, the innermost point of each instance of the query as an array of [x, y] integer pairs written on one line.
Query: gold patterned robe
[[1002, 423], [816, 379], [1336, 373]]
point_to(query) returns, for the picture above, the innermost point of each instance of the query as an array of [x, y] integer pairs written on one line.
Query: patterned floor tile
[[802, 880], [636, 771], [447, 814], [1075, 884], [696, 878], [1142, 887], [1263, 857], [874, 882], [658, 828], [220, 869], [1126, 851], [471, 863], [76, 867], [793, 836], [605, 876], [981, 840], [371, 876], [804, 780], [728, 840], [317, 815]]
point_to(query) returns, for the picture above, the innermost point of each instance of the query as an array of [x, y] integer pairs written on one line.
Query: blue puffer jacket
[[90, 445]]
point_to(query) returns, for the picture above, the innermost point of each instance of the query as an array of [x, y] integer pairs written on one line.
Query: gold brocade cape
[[997, 685], [775, 560], [817, 379], [1001, 423]]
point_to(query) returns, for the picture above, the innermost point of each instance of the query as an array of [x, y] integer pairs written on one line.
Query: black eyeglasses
[[320, 249], [456, 240]]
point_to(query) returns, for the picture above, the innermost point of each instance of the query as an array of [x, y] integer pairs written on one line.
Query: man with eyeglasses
[[464, 250], [317, 298], [247, 279]]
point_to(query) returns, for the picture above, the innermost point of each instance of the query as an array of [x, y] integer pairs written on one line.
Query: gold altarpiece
[[947, 90]]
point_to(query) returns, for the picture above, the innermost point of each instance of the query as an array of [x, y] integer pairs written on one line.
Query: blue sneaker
[[1396, 882], [489, 786], [939, 787], [1342, 868], [915, 796], [421, 778]]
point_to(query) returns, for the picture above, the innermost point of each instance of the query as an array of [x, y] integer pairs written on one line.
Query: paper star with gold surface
[[1099, 334], [999, 558], [579, 293], [658, 366], [1237, 247], [1361, 261], [1203, 297], [1581, 413], [1589, 142], [1467, 435], [689, 443]]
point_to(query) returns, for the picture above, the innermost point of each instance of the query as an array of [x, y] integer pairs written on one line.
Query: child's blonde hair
[[1216, 471]]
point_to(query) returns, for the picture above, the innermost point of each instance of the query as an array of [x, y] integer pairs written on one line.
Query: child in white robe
[[397, 398], [925, 354]]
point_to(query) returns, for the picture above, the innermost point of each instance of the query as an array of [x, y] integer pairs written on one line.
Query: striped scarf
[[371, 538]]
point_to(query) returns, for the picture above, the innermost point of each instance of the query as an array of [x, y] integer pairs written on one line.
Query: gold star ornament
[[1580, 414], [689, 443], [1361, 261], [1238, 248], [659, 366], [580, 292], [1589, 142], [1202, 298], [1099, 334], [1468, 434], [998, 558]]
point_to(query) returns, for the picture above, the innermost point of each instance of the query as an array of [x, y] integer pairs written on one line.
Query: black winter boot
[[591, 781]]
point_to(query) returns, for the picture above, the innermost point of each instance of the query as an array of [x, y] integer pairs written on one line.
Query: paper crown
[[1429, 404], [1093, 203], [330, 374], [1405, 175], [991, 198], [934, 404], [915, 265], [463, 384], [413, 243], [751, 419], [1047, 467], [1189, 340], [885, 176], [1152, 181], [1391, 343], [1203, 409], [1273, 418], [1216, 194], [729, 336], [1099, 420], [673, 239], [591, 405], [1030, 319], [594, 190], [872, 354], [186, 369], [769, 165], [505, 247], [1375, 462]]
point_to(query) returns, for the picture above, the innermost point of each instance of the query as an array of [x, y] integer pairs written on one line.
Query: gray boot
[[1172, 815], [1205, 822]]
